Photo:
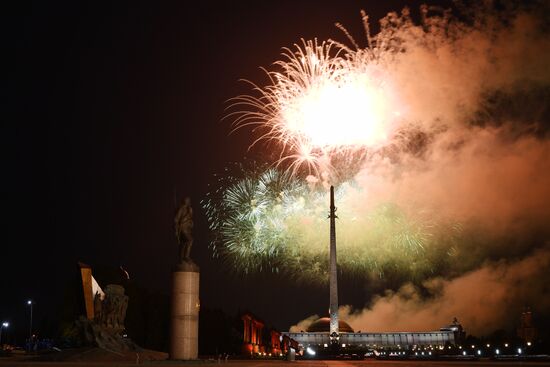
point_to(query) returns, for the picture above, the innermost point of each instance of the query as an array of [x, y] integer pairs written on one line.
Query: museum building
[[317, 336]]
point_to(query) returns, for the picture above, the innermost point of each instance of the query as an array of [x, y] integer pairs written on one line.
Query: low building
[[252, 335], [317, 336], [261, 341]]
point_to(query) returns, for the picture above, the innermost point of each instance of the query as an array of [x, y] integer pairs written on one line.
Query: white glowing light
[[325, 99], [351, 110], [310, 351]]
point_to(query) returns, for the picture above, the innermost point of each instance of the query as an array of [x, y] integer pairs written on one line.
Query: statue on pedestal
[[185, 290], [183, 225]]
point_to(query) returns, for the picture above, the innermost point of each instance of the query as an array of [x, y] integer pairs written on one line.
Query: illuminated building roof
[[323, 325]]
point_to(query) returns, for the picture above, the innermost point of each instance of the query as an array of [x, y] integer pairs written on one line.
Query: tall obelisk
[[333, 280]]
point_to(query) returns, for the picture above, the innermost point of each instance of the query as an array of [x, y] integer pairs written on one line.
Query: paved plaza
[[270, 363]]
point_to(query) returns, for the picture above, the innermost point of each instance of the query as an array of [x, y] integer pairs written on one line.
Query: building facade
[[397, 340], [252, 335], [264, 342]]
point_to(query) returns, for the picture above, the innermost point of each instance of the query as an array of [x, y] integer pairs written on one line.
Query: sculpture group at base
[[103, 325], [110, 310], [105, 329]]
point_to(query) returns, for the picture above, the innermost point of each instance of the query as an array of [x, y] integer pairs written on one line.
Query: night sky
[[112, 112]]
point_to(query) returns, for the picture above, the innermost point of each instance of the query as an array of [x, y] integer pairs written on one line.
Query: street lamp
[[4, 325], [30, 303]]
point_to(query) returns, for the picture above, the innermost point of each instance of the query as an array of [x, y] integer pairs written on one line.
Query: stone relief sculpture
[[106, 329], [111, 311]]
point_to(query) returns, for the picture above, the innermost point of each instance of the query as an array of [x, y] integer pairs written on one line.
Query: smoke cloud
[[304, 324], [476, 98], [484, 300], [474, 149]]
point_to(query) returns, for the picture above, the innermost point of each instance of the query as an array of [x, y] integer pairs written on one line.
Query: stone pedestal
[[184, 340]]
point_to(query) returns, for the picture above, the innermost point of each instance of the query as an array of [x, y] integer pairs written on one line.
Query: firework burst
[[338, 118], [273, 221], [324, 99]]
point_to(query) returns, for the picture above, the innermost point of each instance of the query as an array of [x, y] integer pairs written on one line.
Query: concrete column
[[184, 341], [246, 331]]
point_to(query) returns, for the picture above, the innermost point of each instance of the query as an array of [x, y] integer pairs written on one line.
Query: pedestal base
[[185, 312]]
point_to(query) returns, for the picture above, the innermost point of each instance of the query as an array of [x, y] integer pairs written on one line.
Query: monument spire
[[333, 280]]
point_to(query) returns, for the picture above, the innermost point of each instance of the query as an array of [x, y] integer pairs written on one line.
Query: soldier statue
[[183, 224]]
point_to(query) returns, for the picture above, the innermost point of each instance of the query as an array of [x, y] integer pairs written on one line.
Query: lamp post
[[30, 303], [4, 325]]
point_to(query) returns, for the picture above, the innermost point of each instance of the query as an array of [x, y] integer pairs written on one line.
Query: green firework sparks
[[272, 221]]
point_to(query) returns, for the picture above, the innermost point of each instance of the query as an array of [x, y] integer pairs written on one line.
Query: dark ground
[[259, 363]]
